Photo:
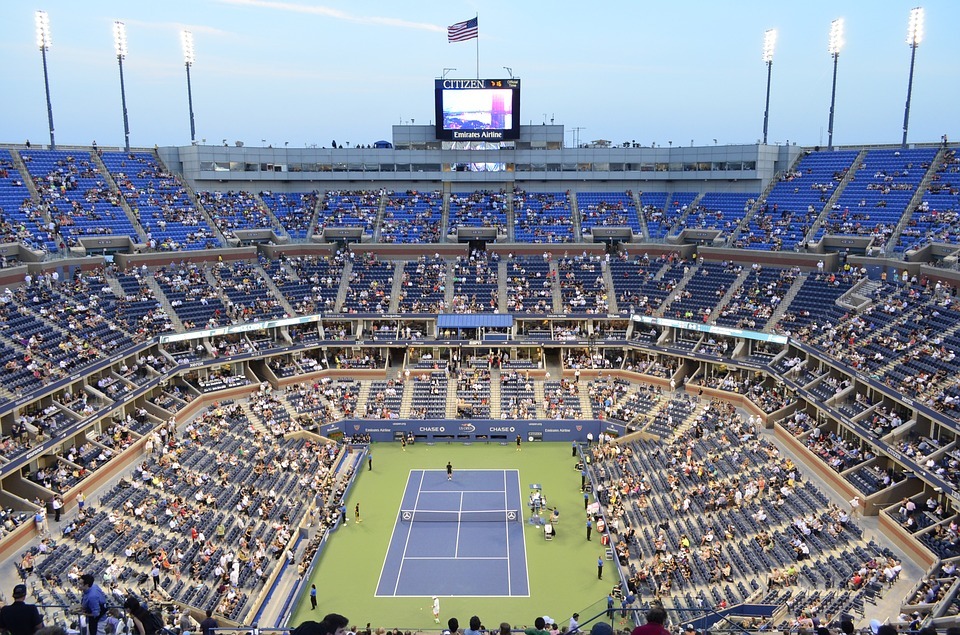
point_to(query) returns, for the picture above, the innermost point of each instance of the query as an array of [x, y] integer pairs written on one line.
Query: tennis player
[[449, 471], [436, 608]]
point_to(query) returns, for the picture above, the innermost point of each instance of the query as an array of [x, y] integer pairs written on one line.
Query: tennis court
[[459, 537]]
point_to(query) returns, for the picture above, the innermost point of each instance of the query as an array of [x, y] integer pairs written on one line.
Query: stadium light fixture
[[120, 46], [836, 43], [769, 43], [42, 22], [509, 71], [447, 70], [186, 42], [914, 37]]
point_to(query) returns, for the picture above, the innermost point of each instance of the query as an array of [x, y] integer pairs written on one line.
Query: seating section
[[309, 283], [652, 209], [754, 302], [423, 286], [721, 210], [795, 202], [529, 285], [582, 287], [670, 218], [160, 202], [542, 217], [20, 219], [873, 203], [476, 288], [517, 397], [816, 300], [371, 286], [249, 296], [137, 308], [196, 303], [412, 217], [937, 218], [235, 211], [355, 208], [77, 197], [478, 209], [702, 292], [642, 284], [429, 395], [294, 210], [608, 209]]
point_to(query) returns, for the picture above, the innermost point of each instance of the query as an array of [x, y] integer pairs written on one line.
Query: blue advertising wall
[[482, 430]]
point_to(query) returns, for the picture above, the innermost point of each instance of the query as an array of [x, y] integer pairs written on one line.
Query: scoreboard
[[477, 109]]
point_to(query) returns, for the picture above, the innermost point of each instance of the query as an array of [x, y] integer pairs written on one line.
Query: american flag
[[462, 31]]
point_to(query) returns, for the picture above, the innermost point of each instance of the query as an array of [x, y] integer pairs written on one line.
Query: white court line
[[456, 548], [506, 530], [457, 558], [463, 491], [406, 543]]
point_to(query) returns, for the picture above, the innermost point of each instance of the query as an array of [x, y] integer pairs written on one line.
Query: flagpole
[[477, 17]]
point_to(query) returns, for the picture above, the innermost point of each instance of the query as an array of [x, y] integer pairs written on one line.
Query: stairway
[[502, 274], [451, 399], [378, 222], [785, 302], [825, 212], [164, 303], [682, 221], [314, 215], [131, 216], [362, 397], [495, 412], [344, 284], [914, 203], [744, 224], [687, 277], [610, 289], [586, 406], [734, 287], [397, 287], [575, 215], [445, 213], [555, 288], [25, 173], [406, 402], [275, 291], [275, 223], [643, 219]]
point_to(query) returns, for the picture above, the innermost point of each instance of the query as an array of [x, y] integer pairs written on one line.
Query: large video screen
[[478, 109]]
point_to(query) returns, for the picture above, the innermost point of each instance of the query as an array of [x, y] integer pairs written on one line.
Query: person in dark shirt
[[20, 618], [208, 624]]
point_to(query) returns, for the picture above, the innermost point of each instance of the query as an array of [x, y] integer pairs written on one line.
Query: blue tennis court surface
[[459, 537]]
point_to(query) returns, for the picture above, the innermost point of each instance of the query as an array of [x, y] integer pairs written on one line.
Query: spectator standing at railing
[[208, 624]]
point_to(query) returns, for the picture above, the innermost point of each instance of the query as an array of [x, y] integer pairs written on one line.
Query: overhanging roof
[[474, 321]]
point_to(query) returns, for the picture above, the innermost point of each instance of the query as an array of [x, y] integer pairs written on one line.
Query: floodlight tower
[[43, 43], [120, 45], [914, 36], [836, 43], [769, 42], [186, 42]]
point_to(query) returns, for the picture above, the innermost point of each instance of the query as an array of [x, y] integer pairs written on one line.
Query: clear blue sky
[[307, 72]]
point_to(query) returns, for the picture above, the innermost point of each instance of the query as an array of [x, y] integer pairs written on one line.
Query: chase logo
[[467, 427], [432, 429], [503, 429]]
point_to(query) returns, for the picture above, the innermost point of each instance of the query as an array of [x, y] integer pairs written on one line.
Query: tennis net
[[460, 516]]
